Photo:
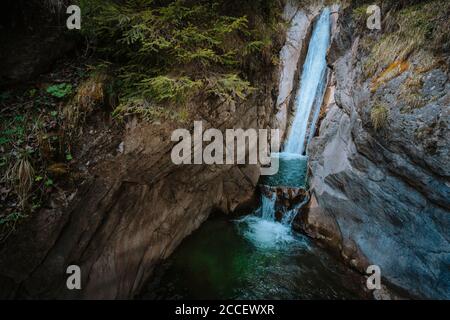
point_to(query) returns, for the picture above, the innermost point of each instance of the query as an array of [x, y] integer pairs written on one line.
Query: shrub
[[166, 89], [165, 52]]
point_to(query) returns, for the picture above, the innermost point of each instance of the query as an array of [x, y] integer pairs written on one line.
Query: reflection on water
[[251, 258]]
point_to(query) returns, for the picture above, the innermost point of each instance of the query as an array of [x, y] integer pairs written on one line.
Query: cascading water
[[258, 257], [262, 229], [311, 85], [307, 106], [268, 207]]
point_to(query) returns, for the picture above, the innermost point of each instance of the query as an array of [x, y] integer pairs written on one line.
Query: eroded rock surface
[[133, 208], [383, 195], [292, 56]]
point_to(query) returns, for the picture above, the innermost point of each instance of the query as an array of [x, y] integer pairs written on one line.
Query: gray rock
[[388, 190]]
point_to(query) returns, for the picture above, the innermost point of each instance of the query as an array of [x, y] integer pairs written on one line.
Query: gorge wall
[[133, 206], [381, 195], [132, 211], [379, 191]]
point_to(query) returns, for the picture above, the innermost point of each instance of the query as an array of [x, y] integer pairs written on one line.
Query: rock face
[[134, 207], [33, 37], [383, 196], [132, 211], [291, 57]]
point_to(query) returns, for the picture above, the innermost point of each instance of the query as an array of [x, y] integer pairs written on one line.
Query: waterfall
[[268, 207], [263, 229], [312, 85]]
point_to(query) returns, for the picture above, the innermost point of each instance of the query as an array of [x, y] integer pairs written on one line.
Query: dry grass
[[20, 175], [409, 91], [417, 27], [427, 62], [379, 116], [89, 94]]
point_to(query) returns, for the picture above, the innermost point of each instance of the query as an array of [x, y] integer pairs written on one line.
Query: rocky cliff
[[133, 206], [380, 164], [379, 171], [132, 211]]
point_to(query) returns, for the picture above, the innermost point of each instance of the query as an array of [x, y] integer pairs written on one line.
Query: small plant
[[89, 94], [48, 183], [410, 92], [359, 15], [8, 224], [21, 176], [60, 90], [165, 89], [230, 87], [379, 116]]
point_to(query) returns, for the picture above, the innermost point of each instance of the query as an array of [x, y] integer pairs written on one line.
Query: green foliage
[[230, 87], [8, 223], [165, 89], [359, 14], [30, 141], [48, 182], [165, 52], [60, 90], [148, 112]]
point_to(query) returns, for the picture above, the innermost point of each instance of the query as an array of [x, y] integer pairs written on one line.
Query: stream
[[259, 256], [251, 258]]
